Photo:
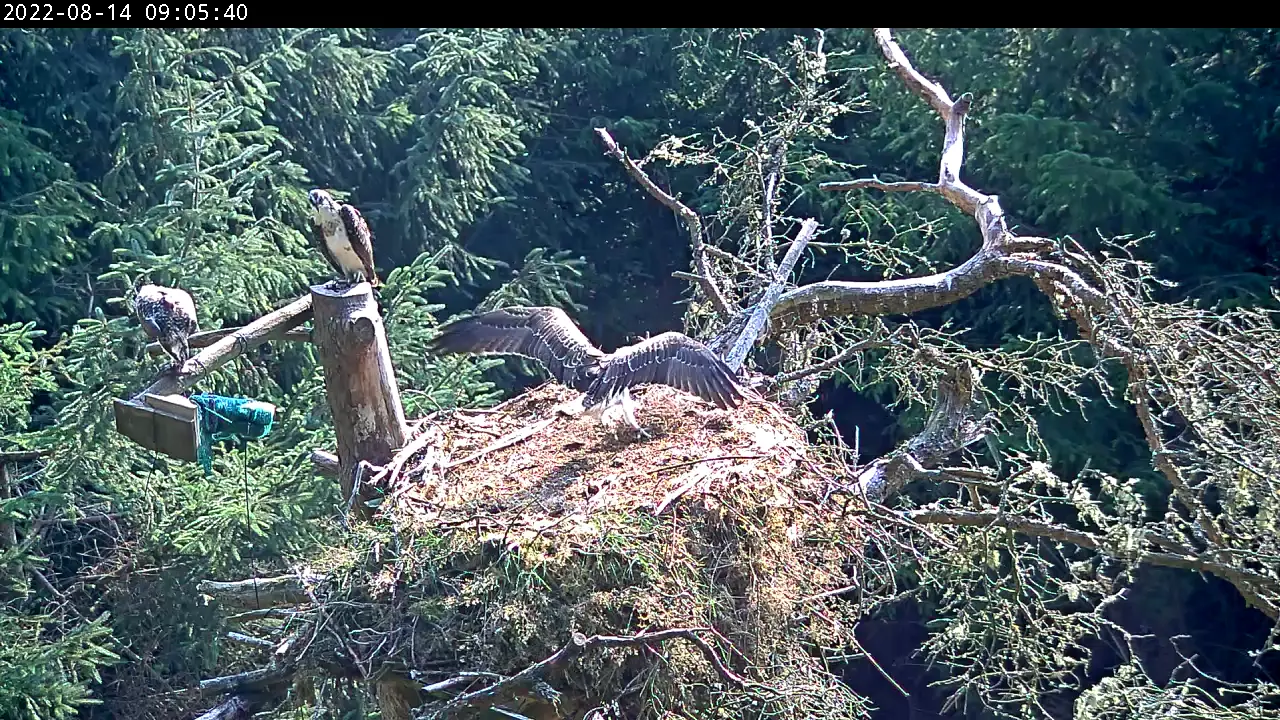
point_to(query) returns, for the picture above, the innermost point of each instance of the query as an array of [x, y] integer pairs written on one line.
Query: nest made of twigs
[[504, 532]]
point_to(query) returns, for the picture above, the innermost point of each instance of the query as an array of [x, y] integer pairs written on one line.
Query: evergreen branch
[[830, 363], [691, 220]]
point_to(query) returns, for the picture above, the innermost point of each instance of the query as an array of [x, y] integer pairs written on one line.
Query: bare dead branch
[[282, 613], [845, 298], [839, 298], [209, 337], [877, 184], [736, 261], [236, 707], [830, 363], [898, 62], [325, 463], [950, 428], [758, 316], [249, 640], [17, 456], [1026, 526], [239, 682], [282, 590], [578, 645], [692, 222], [771, 175]]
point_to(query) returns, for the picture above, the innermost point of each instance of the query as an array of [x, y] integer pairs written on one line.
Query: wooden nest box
[[164, 423]]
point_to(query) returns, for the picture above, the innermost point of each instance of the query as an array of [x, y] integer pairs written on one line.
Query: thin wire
[[248, 522]]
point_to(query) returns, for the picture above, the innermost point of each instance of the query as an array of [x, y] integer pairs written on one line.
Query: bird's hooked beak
[[321, 200]]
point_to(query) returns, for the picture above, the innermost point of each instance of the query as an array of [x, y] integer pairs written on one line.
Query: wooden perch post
[[359, 380]]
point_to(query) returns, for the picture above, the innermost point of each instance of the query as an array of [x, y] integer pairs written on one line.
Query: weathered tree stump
[[359, 381]]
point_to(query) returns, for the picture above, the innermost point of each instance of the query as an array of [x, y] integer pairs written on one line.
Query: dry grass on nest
[[504, 551]]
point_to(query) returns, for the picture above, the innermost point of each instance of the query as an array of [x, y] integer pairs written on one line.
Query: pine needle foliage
[[184, 157]]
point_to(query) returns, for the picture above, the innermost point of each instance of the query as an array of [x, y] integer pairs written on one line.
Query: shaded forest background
[[185, 157]]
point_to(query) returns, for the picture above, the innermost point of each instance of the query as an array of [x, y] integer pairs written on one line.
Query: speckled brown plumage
[[168, 315]]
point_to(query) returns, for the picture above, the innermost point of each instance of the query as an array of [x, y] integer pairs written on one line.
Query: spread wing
[[361, 239], [671, 359], [545, 334]]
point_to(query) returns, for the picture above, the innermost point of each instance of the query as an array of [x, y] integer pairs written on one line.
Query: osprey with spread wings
[[344, 238], [546, 334]]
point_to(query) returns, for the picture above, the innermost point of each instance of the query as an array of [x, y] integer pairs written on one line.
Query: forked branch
[[692, 223], [517, 684], [1106, 322], [951, 427]]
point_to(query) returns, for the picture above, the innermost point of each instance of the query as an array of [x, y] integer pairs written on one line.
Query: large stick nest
[[504, 532]]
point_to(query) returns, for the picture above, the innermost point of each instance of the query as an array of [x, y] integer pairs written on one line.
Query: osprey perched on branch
[[546, 334], [168, 315], [344, 238]]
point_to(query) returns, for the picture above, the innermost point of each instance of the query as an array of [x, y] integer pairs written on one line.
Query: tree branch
[[249, 640], [830, 363], [836, 298], [325, 463], [692, 222], [283, 590], [578, 645], [950, 428], [252, 679], [236, 707], [843, 298], [758, 316], [16, 456], [771, 175], [209, 337], [1025, 526], [228, 348]]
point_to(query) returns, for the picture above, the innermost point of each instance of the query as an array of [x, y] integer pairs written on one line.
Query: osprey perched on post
[[344, 238], [546, 334], [169, 316]]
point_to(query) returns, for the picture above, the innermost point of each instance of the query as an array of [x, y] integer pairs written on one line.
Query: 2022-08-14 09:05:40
[[116, 12]]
